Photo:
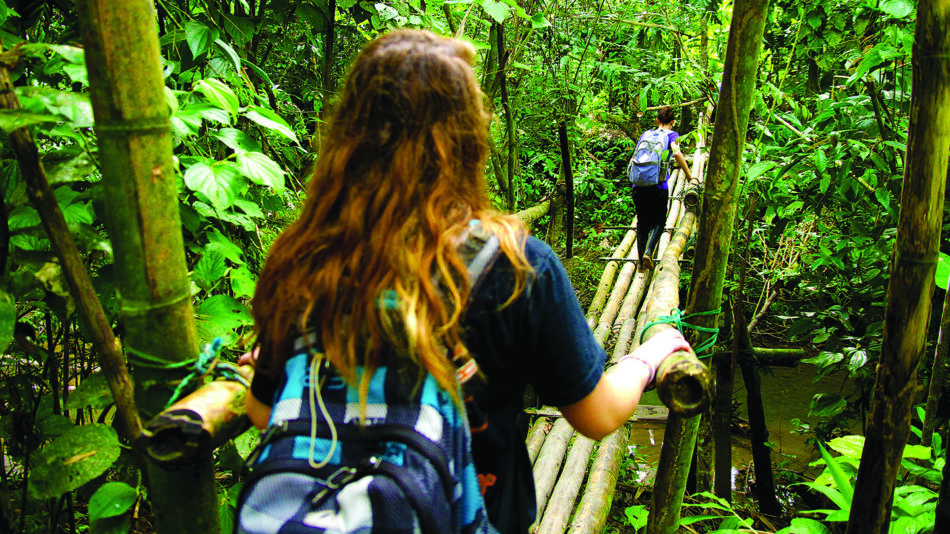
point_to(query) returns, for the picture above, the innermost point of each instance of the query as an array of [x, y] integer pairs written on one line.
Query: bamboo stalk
[[198, 424], [548, 465], [912, 272], [591, 514], [536, 435], [535, 212], [610, 272], [561, 504]]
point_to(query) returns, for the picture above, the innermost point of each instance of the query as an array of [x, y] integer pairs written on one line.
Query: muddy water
[[786, 394]]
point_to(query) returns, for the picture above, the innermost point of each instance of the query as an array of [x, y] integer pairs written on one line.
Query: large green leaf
[[74, 107], [271, 121], [13, 119], [93, 391], [220, 316], [842, 480], [199, 37], [73, 459], [942, 275], [827, 405], [219, 182], [243, 282], [7, 319], [230, 53], [111, 499], [804, 525], [219, 242], [237, 140], [210, 269], [261, 170], [219, 94], [896, 8]]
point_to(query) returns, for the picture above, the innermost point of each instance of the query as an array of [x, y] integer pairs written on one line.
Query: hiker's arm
[[681, 160], [611, 402], [257, 411], [618, 392]]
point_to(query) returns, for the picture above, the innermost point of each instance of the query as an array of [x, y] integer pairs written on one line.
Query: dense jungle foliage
[[247, 83]]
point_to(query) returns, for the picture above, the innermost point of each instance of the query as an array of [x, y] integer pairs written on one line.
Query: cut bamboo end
[[685, 384]]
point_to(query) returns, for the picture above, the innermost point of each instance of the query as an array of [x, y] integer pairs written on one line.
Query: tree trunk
[[568, 189], [98, 326], [509, 118], [725, 163], [912, 271], [126, 90], [937, 374]]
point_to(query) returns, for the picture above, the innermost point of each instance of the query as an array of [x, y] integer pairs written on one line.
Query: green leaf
[[252, 209], [7, 319], [261, 170], [230, 53], [237, 140], [219, 183], [74, 107], [820, 160], [538, 21], [243, 282], [92, 392], [495, 10], [883, 197], [759, 169], [111, 499], [851, 446], [897, 9], [13, 119], [918, 452], [271, 121], [842, 480], [73, 459], [219, 94], [827, 405], [211, 268], [942, 276], [220, 316], [220, 242], [804, 525], [207, 111], [199, 37]]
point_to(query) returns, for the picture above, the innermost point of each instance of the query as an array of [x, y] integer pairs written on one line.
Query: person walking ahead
[[650, 165]]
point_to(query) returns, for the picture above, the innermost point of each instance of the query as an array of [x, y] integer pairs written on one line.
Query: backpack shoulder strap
[[478, 249]]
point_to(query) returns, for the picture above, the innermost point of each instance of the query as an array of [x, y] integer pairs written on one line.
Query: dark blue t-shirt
[[541, 339]]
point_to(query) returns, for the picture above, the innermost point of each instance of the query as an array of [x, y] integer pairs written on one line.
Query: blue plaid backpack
[[408, 469]]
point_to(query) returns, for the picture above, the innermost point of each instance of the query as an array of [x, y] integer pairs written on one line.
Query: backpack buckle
[[335, 481]]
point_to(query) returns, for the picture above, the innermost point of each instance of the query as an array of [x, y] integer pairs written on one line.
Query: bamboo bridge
[[576, 477]]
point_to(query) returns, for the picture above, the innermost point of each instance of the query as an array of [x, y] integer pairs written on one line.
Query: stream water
[[786, 395]]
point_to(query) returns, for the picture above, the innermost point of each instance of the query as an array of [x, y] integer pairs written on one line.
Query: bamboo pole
[[937, 373], [561, 504], [536, 435], [590, 515], [535, 212], [548, 465], [74, 270], [198, 424], [610, 272], [131, 123], [912, 271]]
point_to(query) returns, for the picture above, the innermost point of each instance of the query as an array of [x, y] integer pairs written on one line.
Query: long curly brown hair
[[397, 182]]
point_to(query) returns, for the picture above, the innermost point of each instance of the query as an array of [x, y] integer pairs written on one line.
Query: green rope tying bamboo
[[206, 362], [677, 319]]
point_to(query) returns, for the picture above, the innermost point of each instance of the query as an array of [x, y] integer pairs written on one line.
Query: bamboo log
[[617, 295], [643, 412], [769, 357], [591, 514], [912, 272], [529, 215], [561, 504], [679, 440], [607, 278], [536, 435], [548, 465], [683, 382], [938, 372], [198, 423]]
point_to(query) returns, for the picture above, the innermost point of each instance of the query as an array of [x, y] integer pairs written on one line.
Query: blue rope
[[677, 319]]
